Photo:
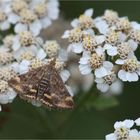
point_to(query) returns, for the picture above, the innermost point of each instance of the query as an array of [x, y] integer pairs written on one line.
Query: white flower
[[8, 96], [26, 53], [95, 61], [122, 130], [104, 83], [84, 21], [130, 70], [51, 48], [44, 11], [126, 123], [137, 121], [24, 39], [32, 15], [28, 20], [113, 40]]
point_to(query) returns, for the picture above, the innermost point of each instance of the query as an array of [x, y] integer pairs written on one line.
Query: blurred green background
[[22, 120]]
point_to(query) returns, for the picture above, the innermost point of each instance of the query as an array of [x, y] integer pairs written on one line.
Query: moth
[[44, 85]]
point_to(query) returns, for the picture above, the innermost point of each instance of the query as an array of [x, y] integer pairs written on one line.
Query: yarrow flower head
[[33, 15], [124, 131], [107, 46], [23, 50]]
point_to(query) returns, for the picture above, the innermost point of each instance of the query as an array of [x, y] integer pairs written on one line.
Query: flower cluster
[[107, 46], [23, 50], [32, 15], [124, 130]]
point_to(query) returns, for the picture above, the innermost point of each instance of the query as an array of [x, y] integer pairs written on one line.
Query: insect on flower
[[43, 85]]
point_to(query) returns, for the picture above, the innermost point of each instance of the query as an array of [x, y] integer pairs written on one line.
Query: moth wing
[[26, 85], [60, 97]]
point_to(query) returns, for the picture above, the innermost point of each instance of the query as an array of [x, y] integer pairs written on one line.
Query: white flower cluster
[[32, 15], [124, 130], [23, 50], [107, 46]]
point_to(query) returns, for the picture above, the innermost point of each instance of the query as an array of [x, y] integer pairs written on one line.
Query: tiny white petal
[[77, 47], [111, 136], [15, 67], [53, 14], [70, 90], [116, 87], [99, 80], [84, 60], [108, 65], [11, 94], [41, 54], [100, 39], [131, 76], [128, 123], [66, 34], [102, 26], [137, 121], [89, 12], [103, 87], [35, 27], [75, 23], [122, 37], [122, 75], [45, 22], [100, 72], [135, 25], [65, 74], [118, 124], [85, 69], [86, 54], [107, 46], [5, 25], [88, 32], [13, 18], [16, 44], [20, 27], [24, 67], [112, 51], [133, 133], [138, 71], [133, 44], [119, 61], [99, 51]]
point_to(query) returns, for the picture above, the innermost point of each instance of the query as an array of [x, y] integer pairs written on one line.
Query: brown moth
[[45, 85]]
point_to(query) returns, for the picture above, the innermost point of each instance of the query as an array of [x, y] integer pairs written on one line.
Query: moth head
[[63, 102]]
